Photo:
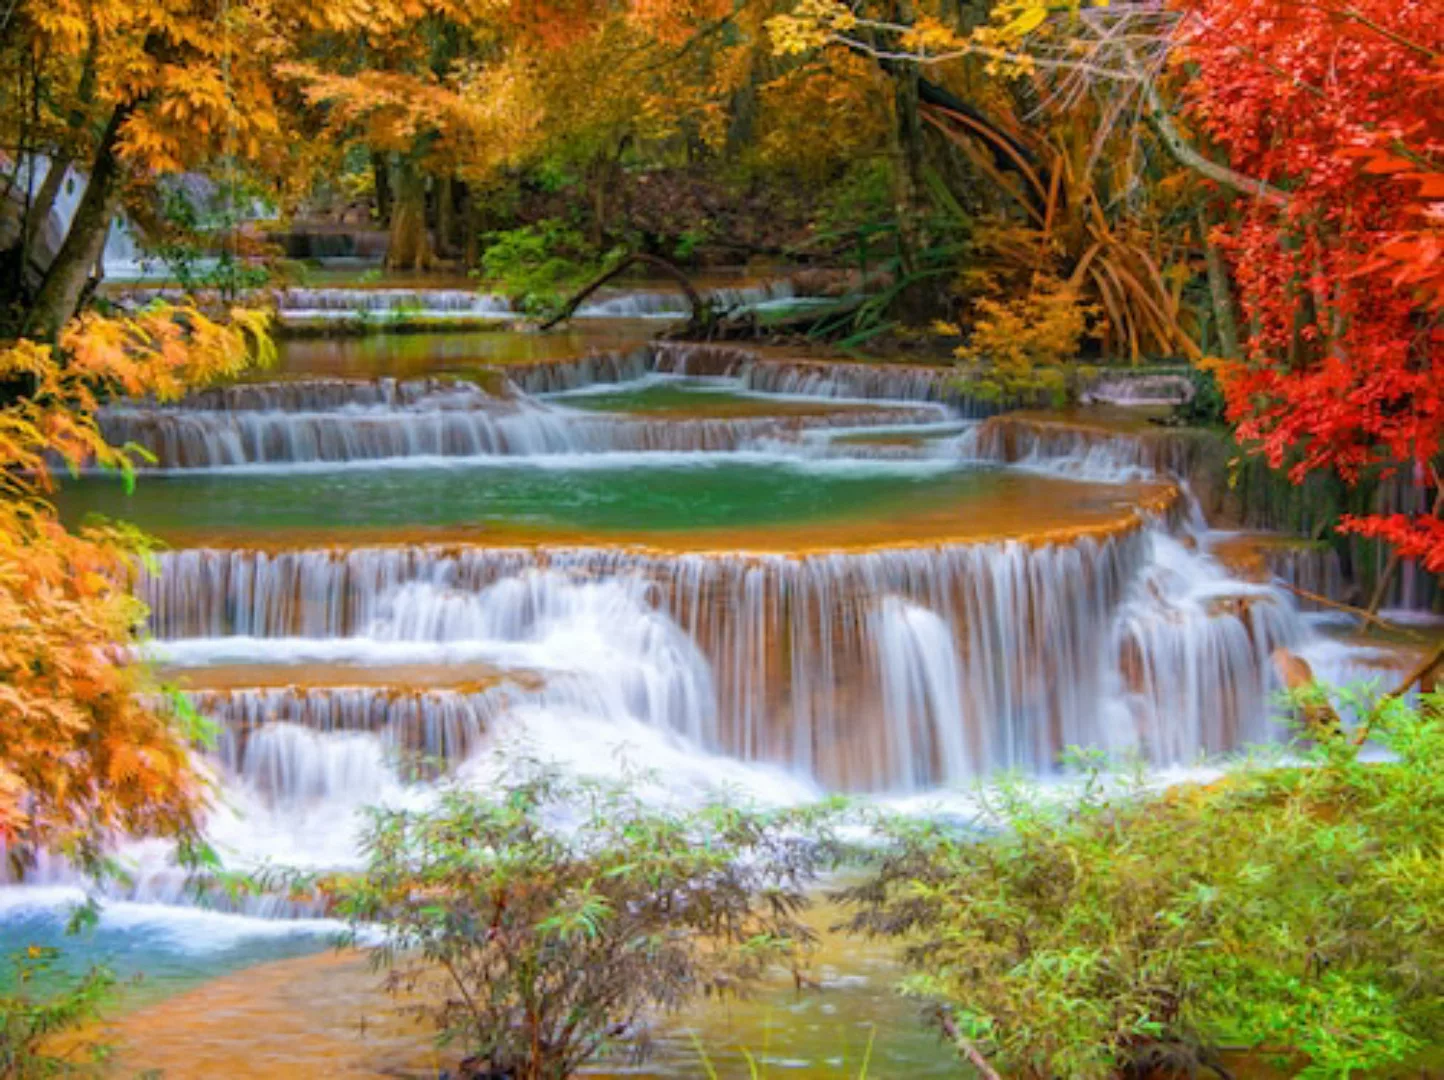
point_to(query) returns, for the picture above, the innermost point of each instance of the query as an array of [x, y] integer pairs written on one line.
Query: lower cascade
[[887, 670]]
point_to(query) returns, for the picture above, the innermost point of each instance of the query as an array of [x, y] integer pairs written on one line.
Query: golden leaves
[[82, 755], [812, 25]]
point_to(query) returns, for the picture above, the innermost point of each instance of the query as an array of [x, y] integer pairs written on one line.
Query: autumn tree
[[428, 87], [133, 91], [1337, 108], [87, 752]]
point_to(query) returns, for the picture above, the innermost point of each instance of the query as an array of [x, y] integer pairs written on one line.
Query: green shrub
[[1293, 911], [1206, 408], [194, 245], [546, 922], [535, 265], [40, 1004]]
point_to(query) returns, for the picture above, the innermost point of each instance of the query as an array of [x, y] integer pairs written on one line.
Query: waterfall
[[1079, 450], [1312, 568], [439, 725], [320, 304], [922, 695], [831, 665], [344, 677], [554, 376], [338, 421], [825, 379], [672, 304], [308, 304]]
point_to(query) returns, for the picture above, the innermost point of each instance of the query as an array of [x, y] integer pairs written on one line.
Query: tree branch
[[967, 1046], [694, 300], [1179, 147]]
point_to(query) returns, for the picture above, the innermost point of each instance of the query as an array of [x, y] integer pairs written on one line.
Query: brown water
[[326, 1015], [459, 352]]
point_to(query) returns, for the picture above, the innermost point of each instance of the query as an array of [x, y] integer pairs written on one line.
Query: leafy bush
[[1018, 346], [30, 1018], [863, 196], [1292, 911], [544, 923], [194, 249], [1206, 408], [536, 264]]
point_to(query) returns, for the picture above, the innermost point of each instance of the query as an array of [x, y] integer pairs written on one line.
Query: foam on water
[[907, 674], [335, 423]]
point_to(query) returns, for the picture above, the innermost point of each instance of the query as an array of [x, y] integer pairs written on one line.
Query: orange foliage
[[84, 756]]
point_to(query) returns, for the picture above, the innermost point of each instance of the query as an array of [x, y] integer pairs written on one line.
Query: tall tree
[[432, 88]]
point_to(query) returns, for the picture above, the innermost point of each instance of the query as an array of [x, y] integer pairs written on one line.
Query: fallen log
[[694, 298]]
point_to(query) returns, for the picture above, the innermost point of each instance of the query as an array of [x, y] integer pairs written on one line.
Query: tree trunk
[[45, 200], [410, 247], [598, 179], [381, 174], [1221, 290], [446, 217], [917, 303], [471, 226], [64, 285], [62, 160]]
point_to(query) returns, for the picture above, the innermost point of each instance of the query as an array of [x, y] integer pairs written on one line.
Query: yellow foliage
[[84, 755], [813, 24], [818, 118], [1019, 344]]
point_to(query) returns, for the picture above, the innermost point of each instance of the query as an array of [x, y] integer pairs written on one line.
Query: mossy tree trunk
[[381, 175], [410, 247]]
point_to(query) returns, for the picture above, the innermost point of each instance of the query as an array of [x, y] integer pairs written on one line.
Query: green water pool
[[683, 398], [665, 496]]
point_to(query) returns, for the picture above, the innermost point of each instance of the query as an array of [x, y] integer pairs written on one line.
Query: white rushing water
[[335, 422], [906, 673]]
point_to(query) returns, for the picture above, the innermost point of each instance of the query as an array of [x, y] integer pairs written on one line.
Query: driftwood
[[694, 299], [1318, 716]]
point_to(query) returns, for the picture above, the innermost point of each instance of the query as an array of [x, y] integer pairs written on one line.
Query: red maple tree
[[1338, 107]]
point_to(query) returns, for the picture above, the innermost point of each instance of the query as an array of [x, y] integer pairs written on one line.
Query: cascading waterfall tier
[[875, 670], [274, 738], [335, 420], [808, 378], [1083, 450], [321, 304], [1201, 461]]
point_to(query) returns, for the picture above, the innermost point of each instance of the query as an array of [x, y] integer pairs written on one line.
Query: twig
[[1424, 668], [967, 1046], [1366, 616], [1397, 39], [1381, 587]]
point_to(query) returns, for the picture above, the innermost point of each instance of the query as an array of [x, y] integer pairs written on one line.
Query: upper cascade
[[336, 421], [321, 303]]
